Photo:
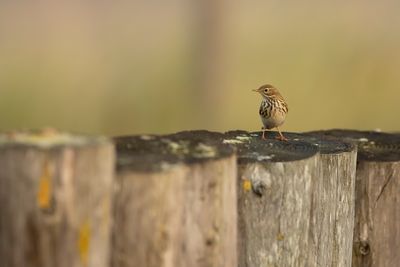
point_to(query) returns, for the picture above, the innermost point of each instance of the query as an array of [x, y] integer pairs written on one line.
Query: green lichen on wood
[[157, 153], [47, 138]]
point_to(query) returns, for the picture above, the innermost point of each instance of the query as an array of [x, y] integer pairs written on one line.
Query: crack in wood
[[384, 187], [280, 244]]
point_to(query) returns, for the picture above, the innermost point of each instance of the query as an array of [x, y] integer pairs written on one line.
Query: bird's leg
[[263, 134], [281, 137]]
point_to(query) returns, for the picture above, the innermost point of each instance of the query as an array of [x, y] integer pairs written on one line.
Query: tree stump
[[55, 199], [175, 203], [377, 213], [333, 202], [275, 189]]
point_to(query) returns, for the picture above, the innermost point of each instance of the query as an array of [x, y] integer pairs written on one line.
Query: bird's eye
[[265, 90]]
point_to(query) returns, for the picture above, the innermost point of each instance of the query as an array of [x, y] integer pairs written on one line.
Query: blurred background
[[122, 67]]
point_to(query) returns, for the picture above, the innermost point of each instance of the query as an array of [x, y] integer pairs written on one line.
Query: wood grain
[[275, 185], [176, 201], [55, 198], [377, 213]]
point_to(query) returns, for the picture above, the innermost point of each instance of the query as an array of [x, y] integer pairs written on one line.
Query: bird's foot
[[263, 136], [282, 138]]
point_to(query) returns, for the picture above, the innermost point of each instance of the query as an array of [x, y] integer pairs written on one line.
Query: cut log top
[[252, 148], [154, 152], [325, 144], [372, 146], [47, 138]]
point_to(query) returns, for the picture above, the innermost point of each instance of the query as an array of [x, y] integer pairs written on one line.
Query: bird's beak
[[255, 90]]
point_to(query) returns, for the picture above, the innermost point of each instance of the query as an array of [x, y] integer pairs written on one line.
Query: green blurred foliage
[[138, 67]]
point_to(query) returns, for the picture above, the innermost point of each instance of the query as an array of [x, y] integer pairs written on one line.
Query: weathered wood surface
[[55, 200], [296, 206], [175, 203], [377, 216], [332, 216], [275, 186]]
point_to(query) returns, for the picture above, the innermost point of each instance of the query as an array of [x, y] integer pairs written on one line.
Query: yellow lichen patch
[[106, 213], [246, 185], [280, 236], [45, 186], [84, 242], [162, 236]]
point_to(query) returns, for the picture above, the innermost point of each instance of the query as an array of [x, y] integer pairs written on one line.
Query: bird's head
[[268, 91]]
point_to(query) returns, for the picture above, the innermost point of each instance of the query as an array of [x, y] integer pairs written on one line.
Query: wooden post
[[275, 185], [175, 203], [314, 192], [377, 215], [332, 217], [55, 199]]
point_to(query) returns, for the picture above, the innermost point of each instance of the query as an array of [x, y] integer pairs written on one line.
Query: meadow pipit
[[273, 109]]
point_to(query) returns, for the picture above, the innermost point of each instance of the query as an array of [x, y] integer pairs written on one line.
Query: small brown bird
[[273, 109]]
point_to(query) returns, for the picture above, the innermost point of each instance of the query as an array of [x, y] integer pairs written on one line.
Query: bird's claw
[[282, 138]]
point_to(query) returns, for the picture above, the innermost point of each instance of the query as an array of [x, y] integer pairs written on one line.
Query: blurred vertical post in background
[[209, 60]]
